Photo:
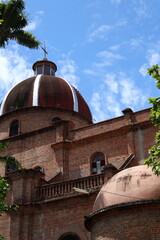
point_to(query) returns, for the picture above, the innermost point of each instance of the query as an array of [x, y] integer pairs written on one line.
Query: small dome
[[46, 90], [132, 184]]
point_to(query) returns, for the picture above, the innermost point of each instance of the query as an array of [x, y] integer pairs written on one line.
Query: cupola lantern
[[44, 67]]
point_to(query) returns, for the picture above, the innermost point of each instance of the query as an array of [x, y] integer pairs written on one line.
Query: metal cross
[[44, 49]]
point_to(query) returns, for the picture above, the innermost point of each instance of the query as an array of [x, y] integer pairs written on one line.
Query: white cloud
[[107, 58], [110, 80], [115, 94], [142, 9], [93, 4], [136, 42], [96, 103], [31, 26], [122, 22], [14, 68], [100, 32], [107, 55], [116, 1], [68, 70], [113, 106], [96, 16], [143, 70], [130, 95], [90, 72], [152, 58], [40, 12], [114, 47]]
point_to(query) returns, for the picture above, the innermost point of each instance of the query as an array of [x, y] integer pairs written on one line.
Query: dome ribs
[[82, 105], [20, 96], [45, 91], [54, 91]]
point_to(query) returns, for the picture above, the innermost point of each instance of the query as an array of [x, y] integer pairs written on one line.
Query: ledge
[[122, 206]]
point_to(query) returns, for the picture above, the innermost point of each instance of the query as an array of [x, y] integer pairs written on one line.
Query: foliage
[[3, 145], [13, 20], [4, 188], [10, 162], [154, 153]]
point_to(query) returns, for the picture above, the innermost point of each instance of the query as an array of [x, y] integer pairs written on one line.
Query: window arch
[[98, 163], [38, 169], [69, 236], [55, 119], [14, 128], [10, 168]]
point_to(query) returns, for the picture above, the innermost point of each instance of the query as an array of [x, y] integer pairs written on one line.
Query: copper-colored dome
[[132, 184], [45, 90]]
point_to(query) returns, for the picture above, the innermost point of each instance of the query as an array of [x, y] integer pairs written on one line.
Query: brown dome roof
[[45, 90], [132, 184]]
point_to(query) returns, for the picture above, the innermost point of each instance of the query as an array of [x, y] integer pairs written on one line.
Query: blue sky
[[103, 47]]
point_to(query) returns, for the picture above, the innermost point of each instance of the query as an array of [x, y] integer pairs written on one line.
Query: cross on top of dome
[[44, 66], [45, 52]]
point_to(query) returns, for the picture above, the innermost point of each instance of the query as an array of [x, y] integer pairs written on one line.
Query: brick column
[[129, 120], [22, 184]]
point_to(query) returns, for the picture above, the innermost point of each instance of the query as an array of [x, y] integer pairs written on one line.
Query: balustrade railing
[[65, 188]]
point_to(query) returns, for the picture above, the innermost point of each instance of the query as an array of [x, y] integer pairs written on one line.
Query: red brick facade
[[48, 206], [131, 221]]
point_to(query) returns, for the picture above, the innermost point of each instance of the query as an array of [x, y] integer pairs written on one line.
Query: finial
[[45, 51]]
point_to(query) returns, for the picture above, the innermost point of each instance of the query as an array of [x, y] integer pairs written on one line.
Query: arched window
[[38, 169], [10, 168], [69, 236], [14, 128], [56, 119], [98, 162]]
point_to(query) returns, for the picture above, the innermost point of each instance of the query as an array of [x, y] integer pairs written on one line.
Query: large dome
[[133, 184], [46, 90]]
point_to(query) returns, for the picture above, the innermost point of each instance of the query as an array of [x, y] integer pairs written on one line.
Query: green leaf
[[13, 20], [154, 152]]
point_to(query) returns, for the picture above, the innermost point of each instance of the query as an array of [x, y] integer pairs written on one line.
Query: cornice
[[110, 133]]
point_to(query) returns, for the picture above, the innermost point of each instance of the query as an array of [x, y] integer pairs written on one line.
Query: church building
[[66, 158]]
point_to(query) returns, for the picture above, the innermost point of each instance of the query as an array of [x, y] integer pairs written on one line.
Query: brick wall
[[5, 226], [34, 118], [51, 220], [35, 150], [56, 148], [132, 221]]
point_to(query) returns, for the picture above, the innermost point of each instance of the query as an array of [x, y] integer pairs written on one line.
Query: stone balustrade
[[65, 188]]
